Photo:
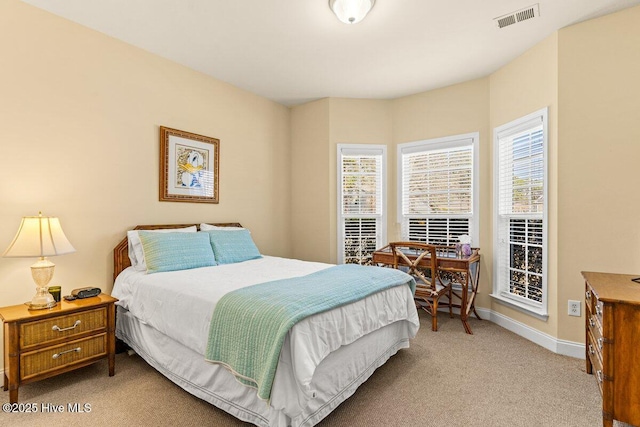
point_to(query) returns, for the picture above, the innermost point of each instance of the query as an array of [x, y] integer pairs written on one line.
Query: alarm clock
[[87, 292]]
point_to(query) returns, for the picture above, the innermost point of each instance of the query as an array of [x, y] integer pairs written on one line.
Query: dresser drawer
[[592, 347], [598, 308], [597, 369], [588, 301], [50, 330], [595, 329], [61, 356]]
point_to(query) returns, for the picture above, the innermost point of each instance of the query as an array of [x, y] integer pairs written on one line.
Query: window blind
[[361, 185], [437, 181], [521, 173]]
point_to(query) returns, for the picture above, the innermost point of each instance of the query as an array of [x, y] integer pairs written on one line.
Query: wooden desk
[[463, 271]]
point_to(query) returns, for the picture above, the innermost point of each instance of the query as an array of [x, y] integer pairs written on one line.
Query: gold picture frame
[[189, 170]]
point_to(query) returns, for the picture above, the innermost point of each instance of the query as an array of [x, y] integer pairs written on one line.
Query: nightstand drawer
[[61, 356], [56, 328]]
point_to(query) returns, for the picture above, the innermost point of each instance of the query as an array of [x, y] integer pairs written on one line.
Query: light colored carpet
[[446, 378]]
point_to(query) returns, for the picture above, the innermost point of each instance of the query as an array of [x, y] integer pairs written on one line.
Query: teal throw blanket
[[249, 325]]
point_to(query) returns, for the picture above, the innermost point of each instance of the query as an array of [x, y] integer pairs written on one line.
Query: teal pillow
[[176, 251], [231, 246]]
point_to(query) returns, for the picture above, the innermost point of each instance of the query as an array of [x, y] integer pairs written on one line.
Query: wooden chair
[[429, 285]]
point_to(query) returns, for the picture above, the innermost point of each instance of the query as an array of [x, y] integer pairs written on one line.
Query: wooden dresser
[[39, 344], [613, 343]]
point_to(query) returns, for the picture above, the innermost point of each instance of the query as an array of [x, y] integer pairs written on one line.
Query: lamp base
[[42, 272], [31, 306], [42, 299]]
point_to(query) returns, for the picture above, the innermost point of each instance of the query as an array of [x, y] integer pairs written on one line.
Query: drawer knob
[[62, 353], [600, 340], [599, 310], [599, 375], [57, 328], [592, 323], [587, 294], [591, 349]]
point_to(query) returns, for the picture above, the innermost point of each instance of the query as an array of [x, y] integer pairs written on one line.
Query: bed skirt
[[335, 379]]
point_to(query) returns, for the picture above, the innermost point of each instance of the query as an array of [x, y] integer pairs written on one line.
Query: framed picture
[[188, 167]]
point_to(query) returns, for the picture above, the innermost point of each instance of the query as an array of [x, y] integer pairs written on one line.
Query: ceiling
[[293, 51]]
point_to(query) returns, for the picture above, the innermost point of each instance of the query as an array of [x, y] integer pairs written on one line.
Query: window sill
[[538, 313]]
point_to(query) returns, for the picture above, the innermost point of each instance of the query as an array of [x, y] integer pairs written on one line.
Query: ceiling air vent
[[518, 16]]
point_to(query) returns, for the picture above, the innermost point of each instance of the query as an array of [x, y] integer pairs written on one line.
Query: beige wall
[[310, 182], [525, 85], [79, 117], [598, 154]]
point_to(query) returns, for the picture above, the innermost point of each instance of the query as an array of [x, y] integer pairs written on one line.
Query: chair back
[[411, 255]]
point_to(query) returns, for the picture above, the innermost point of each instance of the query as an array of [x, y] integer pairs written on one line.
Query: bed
[[165, 318]]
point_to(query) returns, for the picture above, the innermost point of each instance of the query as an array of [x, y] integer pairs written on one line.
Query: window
[[520, 213], [361, 206], [437, 189]]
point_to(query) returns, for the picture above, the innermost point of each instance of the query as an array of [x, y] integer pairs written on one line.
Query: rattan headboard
[[121, 252]]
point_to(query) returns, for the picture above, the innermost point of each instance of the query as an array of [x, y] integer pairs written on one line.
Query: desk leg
[[475, 280], [464, 305], [467, 305]]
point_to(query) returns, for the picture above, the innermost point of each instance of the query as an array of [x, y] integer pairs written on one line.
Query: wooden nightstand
[[39, 344]]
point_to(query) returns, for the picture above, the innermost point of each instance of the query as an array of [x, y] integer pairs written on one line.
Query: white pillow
[[136, 255], [207, 227]]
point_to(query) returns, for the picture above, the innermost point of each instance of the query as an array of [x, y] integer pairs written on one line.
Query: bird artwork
[[191, 170]]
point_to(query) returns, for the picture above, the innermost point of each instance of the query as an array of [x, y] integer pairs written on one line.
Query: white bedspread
[[180, 304]]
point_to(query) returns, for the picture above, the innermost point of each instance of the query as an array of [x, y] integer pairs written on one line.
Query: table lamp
[[40, 236]]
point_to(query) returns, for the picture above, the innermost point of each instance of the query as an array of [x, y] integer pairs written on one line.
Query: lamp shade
[[351, 11], [39, 236]]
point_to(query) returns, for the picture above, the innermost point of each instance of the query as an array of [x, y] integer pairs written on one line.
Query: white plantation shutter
[[360, 240], [361, 224], [520, 223], [437, 180]]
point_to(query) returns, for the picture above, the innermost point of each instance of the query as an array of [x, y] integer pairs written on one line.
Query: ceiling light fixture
[[351, 11]]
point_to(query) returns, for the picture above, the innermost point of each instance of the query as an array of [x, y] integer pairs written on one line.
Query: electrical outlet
[[574, 308]]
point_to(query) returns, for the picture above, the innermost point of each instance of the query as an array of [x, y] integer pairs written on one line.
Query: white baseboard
[[566, 348], [558, 346]]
